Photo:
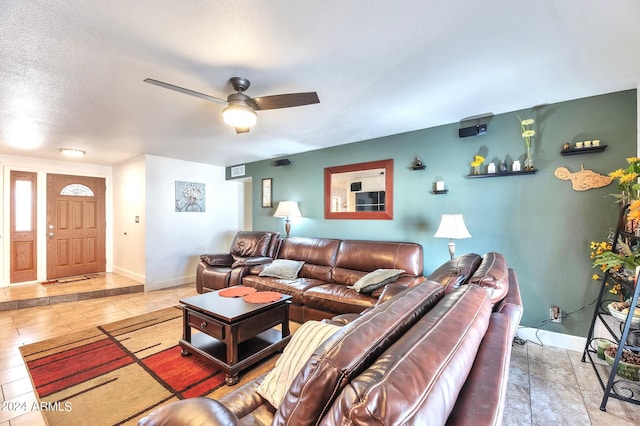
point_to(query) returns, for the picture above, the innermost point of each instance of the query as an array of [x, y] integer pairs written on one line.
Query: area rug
[[116, 373]]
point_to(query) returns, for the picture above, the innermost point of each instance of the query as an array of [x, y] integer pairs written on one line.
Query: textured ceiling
[[72, 71]]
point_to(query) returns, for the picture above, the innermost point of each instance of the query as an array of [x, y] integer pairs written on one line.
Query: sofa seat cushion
[[437, 354], [350, 351], [246, 403], [337, 298], [294, 288]]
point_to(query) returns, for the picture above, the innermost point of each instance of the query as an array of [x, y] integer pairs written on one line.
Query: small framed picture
[[267, 192]]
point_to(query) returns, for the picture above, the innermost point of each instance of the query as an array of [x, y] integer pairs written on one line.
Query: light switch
[[137, 219]]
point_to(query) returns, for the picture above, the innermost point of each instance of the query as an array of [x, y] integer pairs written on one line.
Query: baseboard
[[551, 338], [131, 275], [171, 282]]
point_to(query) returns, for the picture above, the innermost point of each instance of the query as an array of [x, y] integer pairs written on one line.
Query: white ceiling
[[71, 71]]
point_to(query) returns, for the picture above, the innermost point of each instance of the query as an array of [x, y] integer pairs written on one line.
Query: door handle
[[50, 235]]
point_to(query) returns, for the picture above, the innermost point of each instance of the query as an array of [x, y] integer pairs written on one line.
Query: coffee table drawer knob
[[203, 325]]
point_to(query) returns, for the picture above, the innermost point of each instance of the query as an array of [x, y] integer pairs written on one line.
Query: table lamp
[[287, 209], [452, 226]]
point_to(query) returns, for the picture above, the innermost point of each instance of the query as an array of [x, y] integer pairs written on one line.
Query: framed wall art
[[190, 197], [267, 192]]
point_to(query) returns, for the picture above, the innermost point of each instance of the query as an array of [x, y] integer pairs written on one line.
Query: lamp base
[[452, 247], [287, 227]]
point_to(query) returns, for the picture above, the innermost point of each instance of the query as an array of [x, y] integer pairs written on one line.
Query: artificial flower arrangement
[[627, 180], [476, 163], [624, 260], [527, 134]]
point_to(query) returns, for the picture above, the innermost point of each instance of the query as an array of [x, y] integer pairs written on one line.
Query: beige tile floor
[[546, 385]]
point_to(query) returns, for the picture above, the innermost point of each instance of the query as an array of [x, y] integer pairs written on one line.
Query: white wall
[[175, 240], [42, 167], [129, 189]]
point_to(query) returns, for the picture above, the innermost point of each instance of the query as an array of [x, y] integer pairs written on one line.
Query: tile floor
[[546, 385]]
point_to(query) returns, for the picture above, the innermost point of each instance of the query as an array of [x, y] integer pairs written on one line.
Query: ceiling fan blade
[[286, 101], [185, 91], [240, 130]]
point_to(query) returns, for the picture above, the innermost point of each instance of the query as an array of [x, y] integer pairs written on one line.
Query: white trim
[[131, 275], [551, 338]]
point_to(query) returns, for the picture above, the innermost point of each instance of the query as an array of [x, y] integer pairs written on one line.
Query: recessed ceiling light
[[72, 152]]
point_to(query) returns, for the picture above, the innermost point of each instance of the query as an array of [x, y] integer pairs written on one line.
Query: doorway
[[76, 225]]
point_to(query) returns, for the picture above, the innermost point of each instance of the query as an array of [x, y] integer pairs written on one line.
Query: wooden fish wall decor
[[584, 179]]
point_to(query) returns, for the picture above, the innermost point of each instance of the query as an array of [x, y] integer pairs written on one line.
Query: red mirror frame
[[385, 215]]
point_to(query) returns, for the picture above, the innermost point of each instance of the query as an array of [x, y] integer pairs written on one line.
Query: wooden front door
[[75, 225], [23, 227]]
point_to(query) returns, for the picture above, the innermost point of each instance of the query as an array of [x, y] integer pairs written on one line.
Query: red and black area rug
[[117, 373]]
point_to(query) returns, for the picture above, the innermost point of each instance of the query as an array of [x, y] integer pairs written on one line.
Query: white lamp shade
[[287, 209], [452, 226]]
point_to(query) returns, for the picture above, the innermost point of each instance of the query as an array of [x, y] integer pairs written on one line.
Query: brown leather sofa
[[331, 266], [435, 353], [221, 270]]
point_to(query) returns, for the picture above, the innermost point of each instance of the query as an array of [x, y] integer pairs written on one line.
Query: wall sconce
[[452, 226], [287, 210]]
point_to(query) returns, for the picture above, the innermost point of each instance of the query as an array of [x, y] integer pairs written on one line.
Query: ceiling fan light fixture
[[239, 115]]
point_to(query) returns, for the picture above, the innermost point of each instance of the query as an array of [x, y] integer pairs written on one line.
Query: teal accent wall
[[541, 225]]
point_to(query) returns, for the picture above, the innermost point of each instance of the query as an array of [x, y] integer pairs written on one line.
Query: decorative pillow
[[282, 268], [303, 343], [376, 279]]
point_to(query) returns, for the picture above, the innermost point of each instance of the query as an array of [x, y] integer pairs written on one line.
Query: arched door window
[[77, 190]]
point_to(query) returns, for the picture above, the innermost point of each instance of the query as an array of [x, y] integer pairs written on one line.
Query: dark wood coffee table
[[234, 334]]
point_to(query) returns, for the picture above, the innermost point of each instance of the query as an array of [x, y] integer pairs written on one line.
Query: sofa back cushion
[[356, 258], [252, 244], [318, 255], [455, 272], [492, 273], [418, 378], [350, 351]]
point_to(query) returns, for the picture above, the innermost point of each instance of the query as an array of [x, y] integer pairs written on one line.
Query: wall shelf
[[418, 167], [442, 191], [498, 174], [587, 150]]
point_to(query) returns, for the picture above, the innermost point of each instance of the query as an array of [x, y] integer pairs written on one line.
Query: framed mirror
[[359, 191]]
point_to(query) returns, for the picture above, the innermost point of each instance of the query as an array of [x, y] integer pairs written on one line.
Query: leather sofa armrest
[[511, 305], [217, 259], [343, 319], [251, 261], [192, 411], [483, 394], [387, 292]]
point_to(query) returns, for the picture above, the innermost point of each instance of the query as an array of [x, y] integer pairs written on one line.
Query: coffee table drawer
[[206, 325]]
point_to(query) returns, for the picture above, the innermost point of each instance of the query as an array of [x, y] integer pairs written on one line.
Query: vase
[[528, 161]]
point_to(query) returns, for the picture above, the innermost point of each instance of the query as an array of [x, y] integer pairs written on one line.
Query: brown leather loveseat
[[432, 354]]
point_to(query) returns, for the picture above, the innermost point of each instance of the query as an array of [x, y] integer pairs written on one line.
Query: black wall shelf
[[442, 191], [418, 167], [587, 150], [486, 175]]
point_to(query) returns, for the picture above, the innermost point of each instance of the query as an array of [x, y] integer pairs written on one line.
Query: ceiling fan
[[241, 109]]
